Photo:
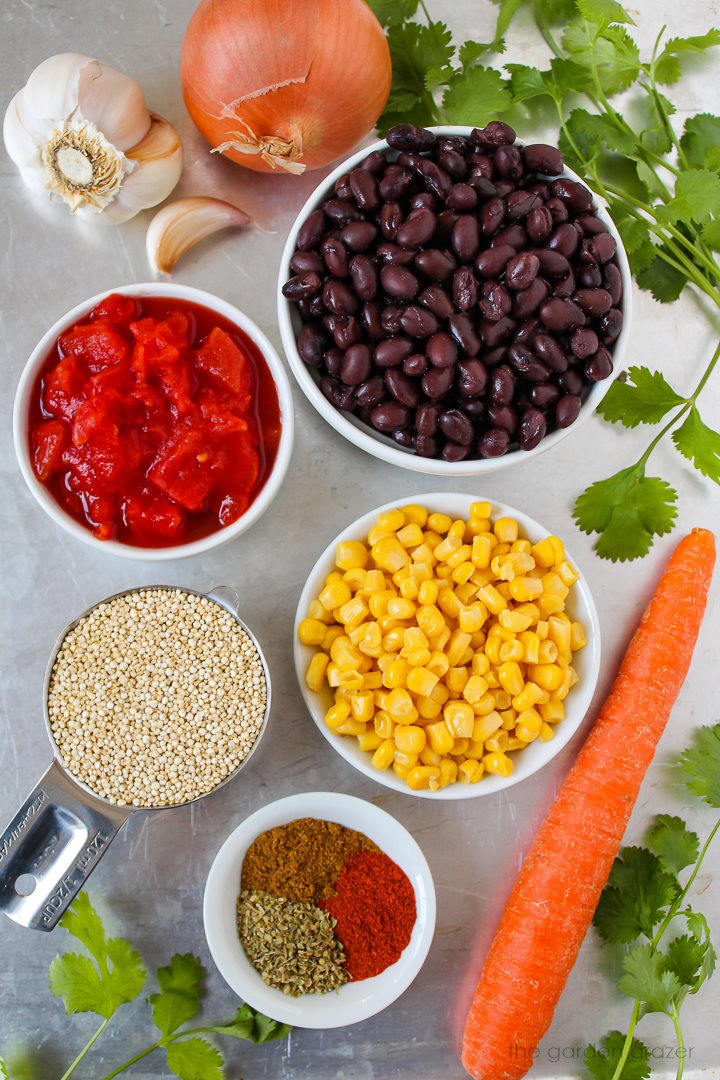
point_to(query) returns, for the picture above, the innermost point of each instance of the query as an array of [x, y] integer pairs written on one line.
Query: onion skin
[[312, 73]]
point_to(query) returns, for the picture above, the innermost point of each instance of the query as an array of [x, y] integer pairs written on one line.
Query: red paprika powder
[[374, 904]]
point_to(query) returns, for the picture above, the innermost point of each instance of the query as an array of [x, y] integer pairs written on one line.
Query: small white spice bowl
[[65, 520], [580, 607], [355, 1001]]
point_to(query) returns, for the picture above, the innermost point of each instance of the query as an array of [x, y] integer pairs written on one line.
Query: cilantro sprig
[[662, 189], [642, 908], [113, 975]]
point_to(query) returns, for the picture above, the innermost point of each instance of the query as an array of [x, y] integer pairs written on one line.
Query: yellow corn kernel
[[317, 611], [448, 547], [515, 744], [312, 632], [469, 772], [335, 595], [357, 633], [333, 674], [560, 632], [400, 706], [514, 621], [415, 514], [448, 772], [448, 603], [511, 677], [315, 674], [458, 643], [577, 636], [406, 760], [431, 538], [530, 643], [542, 629], [475, 689], [484, 704], [475, 750], [456, 679], [421, 681], [428, 756], [546, 733], [362, 705], [551, 604], [384, 756], [371, 643], [567, 573], [385, 660], [389, 554], [401, 575], [410, 535], [350, 554], [492, 680], [353, 612], [498, 764], [441, 694], [443, 572], [528, 696], [460, 555], [369, 741], [347, 658], [482, 546], [480, 664], [337, 714], [531, 720], [485, 726], [409, 588], [459, 718], [475, 526], [352, 727], [511, 650], [561, 693], [439, 737], [439, 641], [392, 520], [419, 777], [381, 697], [462, 573], [480, 509], [418, 658], [439, 523], [509, 716], [459, 748], [374, 581], [498, 741], [420, 572], [372, 680], [423, 555], [466, 592], [350, 680], [477, 640], [552, 585], [378, 602], [552, 712], [355, 578], [392, 641], [506, 530], [502, 699], [492, 599], [525, 588], [547, 676], [428, 708], [573, 675], [548, 652], [384, 724], [377, 533], [492, 649], [334, 576], [409, 739], [523, 546], [428, 593], [396, 675], [413, 638], [400, 608], [401, 770], [430, 620]]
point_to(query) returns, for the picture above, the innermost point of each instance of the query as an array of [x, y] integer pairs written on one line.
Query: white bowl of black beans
[[454, 302]]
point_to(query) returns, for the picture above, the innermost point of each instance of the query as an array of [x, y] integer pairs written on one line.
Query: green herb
[[662, 190], [644, 899], [114, 975]]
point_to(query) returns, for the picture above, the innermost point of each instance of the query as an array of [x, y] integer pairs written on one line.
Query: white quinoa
[[156, 697]]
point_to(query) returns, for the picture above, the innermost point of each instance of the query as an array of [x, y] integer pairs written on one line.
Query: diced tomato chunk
[[117, 377], [48, 442], [106, 462], [221, 419], [101, 412], [146, 514], [96, 343], [63, 389], [116, 309], [223, 361], [187, 467]]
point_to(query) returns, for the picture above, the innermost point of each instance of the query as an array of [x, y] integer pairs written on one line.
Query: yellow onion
[[284, 84]]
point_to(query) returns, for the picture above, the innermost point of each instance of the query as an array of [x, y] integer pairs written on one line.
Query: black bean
[[544, 394], [612, 281], [471, 378], [576, 196], [532, 370], [494, 333], [599, 366], [417, 322], [402, 387], [495, 356], [437, 382], [371, 320], [334, 361], [422, 199], [364, 276], [441, 350], [492, 262], [394, 254], [338, 298], [522, 270], [392, 352], [310, 344], [390, 318], [567, 409], [485, 188], [559, 315], [453, 163], [427, 446], [563, 239], [390, 219], [347, 331], [584, 342], [539, 224], [435, 264], [493, 443], [426, 418], [492, 215], [558, 211], [334, 253], [463, 330], [593, 301], [539, 188], [496, 133], [446, 220], [520, 204], [375, 162], [465, 238], [508, 162], [342, 211], [312, 308], [456, 426], [340, 396], [436, 299], [404, 438], [590, 224], [409, 159], [546, 347], [435, 179], [502, 385], [461, 197], [590, 276], [531, 431], [454, 142], [415, 365], [364, 188], [602, 247], [302, 286], [565, 287], [400, 282], [514, 235], [302, 261], [330, 321], [495, 301], [570, 381], [311, 230], [525, 333], [359, 235], [396, 182], [453, 451], [529, 300], [464, 288], [390, 416], [371, 392], [342, 187], [503, 416], [410, 138], [474, 407], [356, 366], [418, 229], [552, 263], [611, 325], [541, 158]]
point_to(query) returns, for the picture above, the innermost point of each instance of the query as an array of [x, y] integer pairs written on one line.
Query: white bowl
[[580, 607], [178, 551], [379, 445], [354, 1001]]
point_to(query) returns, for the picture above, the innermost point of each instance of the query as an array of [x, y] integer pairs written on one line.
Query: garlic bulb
[[185, 222], [81, 130]]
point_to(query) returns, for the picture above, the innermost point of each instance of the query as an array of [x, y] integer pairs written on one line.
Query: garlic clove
[[51, 92], [178, 226], [157, 162], [20, 144], [114, 103]]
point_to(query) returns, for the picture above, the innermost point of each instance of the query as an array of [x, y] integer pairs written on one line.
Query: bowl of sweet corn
[[447, 647]]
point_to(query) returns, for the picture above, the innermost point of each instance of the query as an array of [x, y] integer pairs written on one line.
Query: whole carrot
[[559, 886]]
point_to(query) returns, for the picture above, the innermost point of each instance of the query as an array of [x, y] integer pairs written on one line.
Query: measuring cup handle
[[56, 838]]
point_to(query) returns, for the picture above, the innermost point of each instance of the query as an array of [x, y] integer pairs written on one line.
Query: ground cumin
[[301, 860]]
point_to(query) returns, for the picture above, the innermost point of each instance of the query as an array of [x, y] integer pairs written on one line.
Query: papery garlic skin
[[81, 130]]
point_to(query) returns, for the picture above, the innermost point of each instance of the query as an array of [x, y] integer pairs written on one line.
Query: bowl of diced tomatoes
[[154, 421]]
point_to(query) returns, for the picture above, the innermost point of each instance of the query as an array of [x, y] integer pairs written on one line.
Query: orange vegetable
[[554, 898]]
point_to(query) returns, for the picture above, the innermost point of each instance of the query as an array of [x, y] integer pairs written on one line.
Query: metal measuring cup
[[63, 828]]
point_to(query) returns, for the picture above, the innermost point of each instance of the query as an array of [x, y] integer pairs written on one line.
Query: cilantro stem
[[642, 462], [133, 1060], [628, 1042], [676, 904], [680, 1042], [85, 1049], [543, 25]]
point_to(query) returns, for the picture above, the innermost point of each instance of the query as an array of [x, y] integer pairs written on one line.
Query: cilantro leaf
[[393, 11], [700, 141], [75, 979], [555, 12], [178, 999], [414, 51], [701, 765], [661, 279], [613, 52], [684, 957], [475, 96], [194, 1059], [672, 841], [471, 51], [3, 1070], [629, 510], [699, 444], [646, 979], [697, 197], [634, 900], [527, 82], [603, 12], [83, 922], [698, 927], [711, 234], [644, 398], [253, 1026], [667, 65], [601, 1064]]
